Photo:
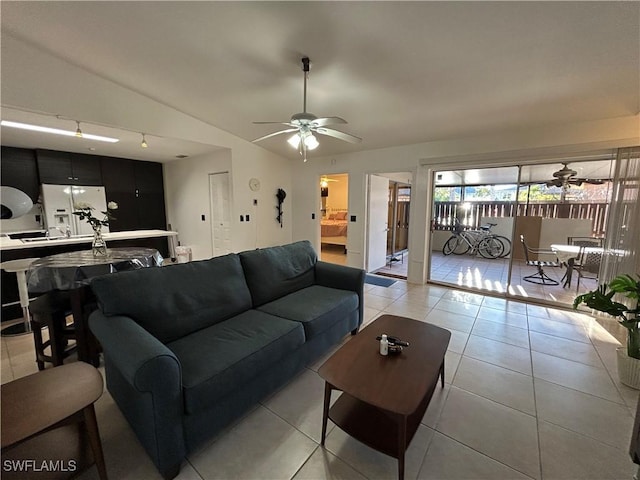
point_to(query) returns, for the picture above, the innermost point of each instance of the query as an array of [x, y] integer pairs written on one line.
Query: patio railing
[[446, 212]]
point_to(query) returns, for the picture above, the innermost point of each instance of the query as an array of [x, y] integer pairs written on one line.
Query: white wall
[[556, 230], [338, 194], [508, 148], [187, 198]]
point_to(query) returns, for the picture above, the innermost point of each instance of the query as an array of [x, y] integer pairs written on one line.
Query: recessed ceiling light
[[56, 131]]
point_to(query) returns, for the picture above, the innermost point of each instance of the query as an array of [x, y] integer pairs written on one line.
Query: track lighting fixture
[[78, 131], [144, 143], [56, 131]]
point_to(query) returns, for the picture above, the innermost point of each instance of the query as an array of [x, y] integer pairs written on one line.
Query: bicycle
[[478, 241], [506, 242]]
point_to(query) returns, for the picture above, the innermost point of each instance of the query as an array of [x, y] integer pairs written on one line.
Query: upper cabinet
[[19, 170], [138, 189], [64, 168]]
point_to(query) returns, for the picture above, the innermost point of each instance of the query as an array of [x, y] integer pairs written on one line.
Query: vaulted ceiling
[[398, 72]]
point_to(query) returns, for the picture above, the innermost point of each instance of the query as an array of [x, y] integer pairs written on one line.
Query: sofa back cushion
[[274, 272], [176, 300]]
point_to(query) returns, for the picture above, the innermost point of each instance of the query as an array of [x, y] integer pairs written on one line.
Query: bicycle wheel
[[506, 243], [490, 247], [456, 245]]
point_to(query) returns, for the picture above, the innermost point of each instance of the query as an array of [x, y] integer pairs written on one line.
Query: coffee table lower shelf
[[372, 426]]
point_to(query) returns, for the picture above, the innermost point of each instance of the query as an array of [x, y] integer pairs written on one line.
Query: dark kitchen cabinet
[[138, 189], [19, 170], [65, 168], [150, 195]]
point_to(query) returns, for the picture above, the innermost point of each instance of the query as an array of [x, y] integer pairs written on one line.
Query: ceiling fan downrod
[[305, 68]]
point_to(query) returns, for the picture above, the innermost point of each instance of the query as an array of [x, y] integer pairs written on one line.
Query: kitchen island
[[7, 243], [12, 249]]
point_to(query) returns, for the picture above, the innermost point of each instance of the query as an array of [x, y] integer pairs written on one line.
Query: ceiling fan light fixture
[[294, 140], [311, 141]]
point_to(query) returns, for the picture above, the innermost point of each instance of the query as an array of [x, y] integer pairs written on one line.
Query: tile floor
[[531, 393], [483, 275], [491, 275]]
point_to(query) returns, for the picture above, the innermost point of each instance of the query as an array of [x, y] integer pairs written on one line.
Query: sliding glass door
[[522, 231]]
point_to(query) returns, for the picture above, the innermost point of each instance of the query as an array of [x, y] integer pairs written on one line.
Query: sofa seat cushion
[[316, 307], [219, 358]]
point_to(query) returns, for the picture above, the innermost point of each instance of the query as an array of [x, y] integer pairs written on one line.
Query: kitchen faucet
[[65, 233]]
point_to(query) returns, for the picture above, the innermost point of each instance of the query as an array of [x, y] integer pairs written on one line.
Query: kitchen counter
[[17, 244]]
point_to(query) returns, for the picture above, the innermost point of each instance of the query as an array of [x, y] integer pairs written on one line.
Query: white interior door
[[377, 222], [220, 213]]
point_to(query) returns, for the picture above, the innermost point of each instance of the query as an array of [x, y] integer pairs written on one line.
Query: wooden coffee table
[[384, 398]]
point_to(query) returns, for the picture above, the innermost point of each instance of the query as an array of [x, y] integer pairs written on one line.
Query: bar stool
[[50, 310], [48, 418], [20, 268]]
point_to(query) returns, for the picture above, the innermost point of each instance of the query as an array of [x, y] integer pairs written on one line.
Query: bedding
[[333, 228]]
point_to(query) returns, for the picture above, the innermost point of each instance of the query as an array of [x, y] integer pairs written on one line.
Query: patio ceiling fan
[[565, 177], [305, 124]]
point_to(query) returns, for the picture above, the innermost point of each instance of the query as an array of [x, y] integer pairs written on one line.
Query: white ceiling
[[398, 72]]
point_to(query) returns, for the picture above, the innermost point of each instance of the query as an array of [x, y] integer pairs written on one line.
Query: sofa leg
[[354, 331], [171, 472]]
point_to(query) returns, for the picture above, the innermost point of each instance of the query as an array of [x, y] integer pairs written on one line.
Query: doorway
[[388, 213], [220, 213], [334, 203], [549, 204]]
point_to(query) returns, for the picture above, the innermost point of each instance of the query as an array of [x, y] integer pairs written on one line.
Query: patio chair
[[588, 264], [586, 241], [539, 277]]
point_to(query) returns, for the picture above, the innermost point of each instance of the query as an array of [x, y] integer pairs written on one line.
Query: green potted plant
[[602, 300]]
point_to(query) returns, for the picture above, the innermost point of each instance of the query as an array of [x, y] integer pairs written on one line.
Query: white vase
[[628, 369]]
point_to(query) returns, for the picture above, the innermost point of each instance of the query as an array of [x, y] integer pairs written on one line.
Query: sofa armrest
[[145, 379], [344, 278]]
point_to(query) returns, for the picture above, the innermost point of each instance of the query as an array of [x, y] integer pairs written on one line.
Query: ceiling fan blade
[[288, 130], [337, 134], [274, 123], [321, 122]]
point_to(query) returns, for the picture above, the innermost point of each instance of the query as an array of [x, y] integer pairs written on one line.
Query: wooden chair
[[50, 310], [48, 419], [539, 277]]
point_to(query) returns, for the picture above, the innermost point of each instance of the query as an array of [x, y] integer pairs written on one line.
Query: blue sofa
[[190, 347]]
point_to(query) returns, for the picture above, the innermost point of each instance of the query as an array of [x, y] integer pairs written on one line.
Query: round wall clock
[[254, 184]]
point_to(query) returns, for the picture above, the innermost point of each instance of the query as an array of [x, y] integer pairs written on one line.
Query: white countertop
[[17, 244]]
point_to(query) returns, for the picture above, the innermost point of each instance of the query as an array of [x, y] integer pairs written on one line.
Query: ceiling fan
[[565, 177], [305, 124]]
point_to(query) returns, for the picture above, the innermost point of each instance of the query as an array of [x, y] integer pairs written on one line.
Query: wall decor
[[281, 195]]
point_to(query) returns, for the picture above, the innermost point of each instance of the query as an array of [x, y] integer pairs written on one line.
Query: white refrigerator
[[59, 204]]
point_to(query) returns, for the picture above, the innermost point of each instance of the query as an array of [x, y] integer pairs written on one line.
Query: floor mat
[[380, 281]]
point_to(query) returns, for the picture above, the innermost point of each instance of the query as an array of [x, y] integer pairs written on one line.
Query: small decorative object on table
[[602, 301], [84, 211], [392, 345]]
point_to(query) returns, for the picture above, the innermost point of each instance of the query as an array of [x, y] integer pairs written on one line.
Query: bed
[[333, 228]]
